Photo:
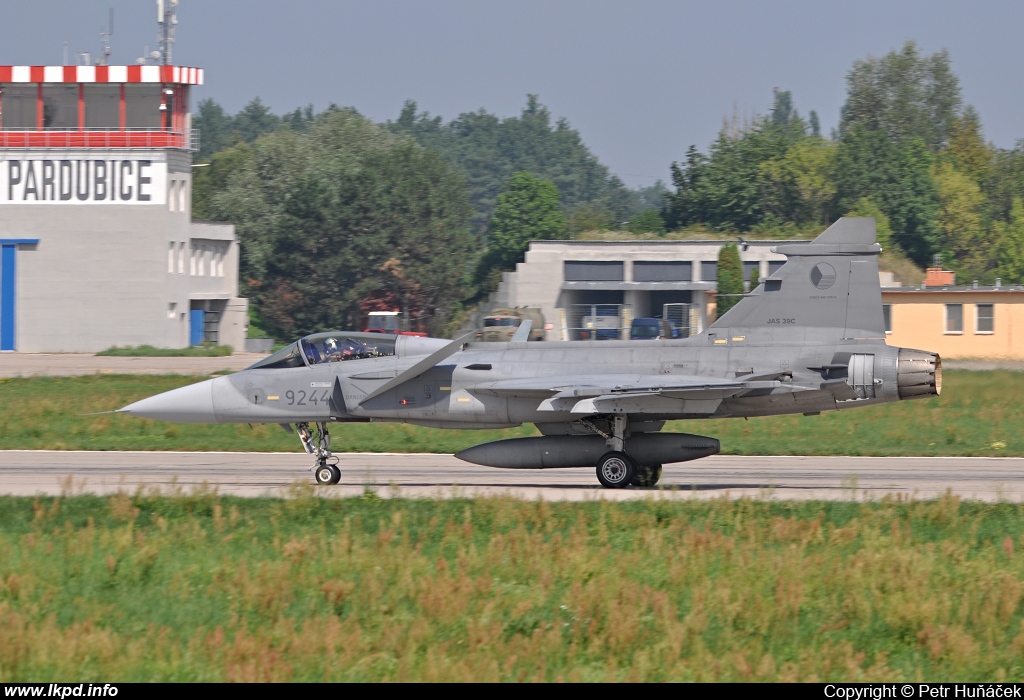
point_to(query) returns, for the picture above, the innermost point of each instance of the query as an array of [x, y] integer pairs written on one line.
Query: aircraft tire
[[647, 475], [327, 474], [615, 470]]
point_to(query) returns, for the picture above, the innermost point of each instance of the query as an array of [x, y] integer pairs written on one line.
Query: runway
[[28, 473]]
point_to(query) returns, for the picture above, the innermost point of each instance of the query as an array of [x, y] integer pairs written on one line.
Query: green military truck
[[500, 325]]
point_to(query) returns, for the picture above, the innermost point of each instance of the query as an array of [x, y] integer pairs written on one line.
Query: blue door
[[197, 322], [7, 253]]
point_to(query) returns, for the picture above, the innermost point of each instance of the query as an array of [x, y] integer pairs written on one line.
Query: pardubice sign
[[82, 181]]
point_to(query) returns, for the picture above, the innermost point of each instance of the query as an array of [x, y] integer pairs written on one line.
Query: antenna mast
[[167, 18], [105, 41]]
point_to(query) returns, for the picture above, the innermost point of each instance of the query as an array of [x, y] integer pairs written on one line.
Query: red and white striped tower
[[97, 106], [97, 243]]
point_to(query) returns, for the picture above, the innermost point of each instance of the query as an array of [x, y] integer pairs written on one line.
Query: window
[[183, 195], [181, 258], [172, 309], [102, 106], [594, 271], [954, 318], [749, 268], [60, 106], [887, 314], [774, 266], [170, 258], [192, 260], [986, 319], [659, 271], [142, 106], [20, 105], [172, 194], [709, 271]]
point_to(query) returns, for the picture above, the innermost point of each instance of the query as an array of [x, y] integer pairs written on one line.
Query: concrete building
[[97, 244], [595, 288]]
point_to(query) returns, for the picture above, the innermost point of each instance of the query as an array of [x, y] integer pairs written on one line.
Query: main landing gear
[[318, 443], [616, 469]]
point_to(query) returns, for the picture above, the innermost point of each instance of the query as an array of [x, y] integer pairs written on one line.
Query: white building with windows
[[97, 243]]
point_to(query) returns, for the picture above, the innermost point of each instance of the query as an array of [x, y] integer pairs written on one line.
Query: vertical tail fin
[[828, 288]]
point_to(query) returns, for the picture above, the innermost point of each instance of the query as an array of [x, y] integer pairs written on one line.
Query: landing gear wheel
[[615, 470], [328, 474], [647, 475]]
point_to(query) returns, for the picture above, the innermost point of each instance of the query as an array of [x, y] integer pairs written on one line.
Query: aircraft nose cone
[[189, 404]]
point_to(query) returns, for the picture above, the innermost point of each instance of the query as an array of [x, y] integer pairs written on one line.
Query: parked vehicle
[[387, 322], [646, 329], [500, 325], [602, 324]]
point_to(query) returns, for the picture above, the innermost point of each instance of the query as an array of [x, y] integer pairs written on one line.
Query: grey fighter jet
[[810, 338]]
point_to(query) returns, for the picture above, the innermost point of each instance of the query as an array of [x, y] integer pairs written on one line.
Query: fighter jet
[[809, 338]]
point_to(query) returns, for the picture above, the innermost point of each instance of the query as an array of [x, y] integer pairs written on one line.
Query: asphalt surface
[[15, 364], [442, 476]]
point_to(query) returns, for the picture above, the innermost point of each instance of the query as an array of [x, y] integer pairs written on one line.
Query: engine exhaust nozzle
[[918, 374]]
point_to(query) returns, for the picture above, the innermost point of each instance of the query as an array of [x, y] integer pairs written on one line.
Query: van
[[645, 329]]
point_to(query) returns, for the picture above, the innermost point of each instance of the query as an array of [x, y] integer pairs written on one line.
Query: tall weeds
[[201, 587]]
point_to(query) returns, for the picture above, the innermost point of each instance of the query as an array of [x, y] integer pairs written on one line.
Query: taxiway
[[29, 473]]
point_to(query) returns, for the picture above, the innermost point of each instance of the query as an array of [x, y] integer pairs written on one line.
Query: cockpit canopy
[[336, 346]]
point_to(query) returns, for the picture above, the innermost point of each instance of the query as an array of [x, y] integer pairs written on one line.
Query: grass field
[[150, 351], [979, 413], [207, 588]]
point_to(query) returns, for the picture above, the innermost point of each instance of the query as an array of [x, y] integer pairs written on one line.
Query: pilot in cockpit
[[353, 349], [331, 350]]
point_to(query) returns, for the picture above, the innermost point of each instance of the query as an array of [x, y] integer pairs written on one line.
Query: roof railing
[[135, 137]]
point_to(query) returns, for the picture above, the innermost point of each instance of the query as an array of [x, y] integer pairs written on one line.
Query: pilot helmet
[[331, 346]]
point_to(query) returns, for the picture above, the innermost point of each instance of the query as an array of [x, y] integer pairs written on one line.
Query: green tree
[[253, 121], [1005, 182], [897, 177], [904, 95], [647, 221], [723, 189], [963, 236], [1011, 245], [867, 208], [214, 126], [730, 278], [526, 211], [342, 213], [491, 149], [213, 178], [967, 150], [589, 217], [800, 186]]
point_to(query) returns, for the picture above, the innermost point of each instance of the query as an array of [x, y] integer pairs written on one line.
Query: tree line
[[338, 215], [907, 151]]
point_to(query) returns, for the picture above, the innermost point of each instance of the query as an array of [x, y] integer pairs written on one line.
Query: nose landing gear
[[318, 443]]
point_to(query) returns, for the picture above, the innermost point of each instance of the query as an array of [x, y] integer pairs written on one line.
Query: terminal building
[[97, 243]]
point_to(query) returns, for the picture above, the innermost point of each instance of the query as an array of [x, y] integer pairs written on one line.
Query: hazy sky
[[640, 80]]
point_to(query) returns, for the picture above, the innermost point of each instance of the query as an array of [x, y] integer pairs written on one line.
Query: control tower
[[97, 243]]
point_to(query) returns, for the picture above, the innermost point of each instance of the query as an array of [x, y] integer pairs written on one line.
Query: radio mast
[[167, 18]]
